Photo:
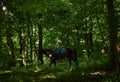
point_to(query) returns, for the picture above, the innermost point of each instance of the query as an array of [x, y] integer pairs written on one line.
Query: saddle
[[59, 52]]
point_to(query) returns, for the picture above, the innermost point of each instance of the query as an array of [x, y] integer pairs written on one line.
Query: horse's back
[[63, 50], [71, 50], [59, 52]]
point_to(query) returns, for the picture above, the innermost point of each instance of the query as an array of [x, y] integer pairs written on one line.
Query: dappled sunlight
[[5, 72], [44, 73], [98, 73], [87, 70], [49, 76]]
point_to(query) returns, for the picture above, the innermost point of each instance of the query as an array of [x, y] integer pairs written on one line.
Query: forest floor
[[60, 73]]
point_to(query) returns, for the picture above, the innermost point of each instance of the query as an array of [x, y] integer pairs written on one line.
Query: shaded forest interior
[[89, 26]]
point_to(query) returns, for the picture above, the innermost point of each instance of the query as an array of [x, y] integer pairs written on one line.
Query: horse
[[55, 54], [106, 49]]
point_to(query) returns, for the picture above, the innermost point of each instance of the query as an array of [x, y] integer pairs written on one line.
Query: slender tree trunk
[[22, 46], [34, 51], [40, 55], [31, 42], [77, 39], [67, 40], [88, 42], [0, 42], [10, 49], [112, 34], [87, 38], [27, 49]]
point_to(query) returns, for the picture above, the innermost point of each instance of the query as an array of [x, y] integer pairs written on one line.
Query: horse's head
[[48, 52]]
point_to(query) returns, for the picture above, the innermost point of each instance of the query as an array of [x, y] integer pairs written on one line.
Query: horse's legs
[[42, 62], [70, 62], [76, 62], [52, 62]]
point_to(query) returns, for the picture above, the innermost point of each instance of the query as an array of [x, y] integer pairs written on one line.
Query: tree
[[113, 25], [40, 55]]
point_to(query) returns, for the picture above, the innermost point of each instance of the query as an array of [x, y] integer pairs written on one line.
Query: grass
[[88, 71]]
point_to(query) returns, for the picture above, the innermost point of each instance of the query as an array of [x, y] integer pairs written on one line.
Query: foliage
[[81, 24]]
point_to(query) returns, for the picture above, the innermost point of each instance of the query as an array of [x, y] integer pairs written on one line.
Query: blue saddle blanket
[[59, 52]]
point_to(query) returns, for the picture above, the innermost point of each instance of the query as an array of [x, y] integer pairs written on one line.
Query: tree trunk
[[89, 44], [112, 34], [40, 55], [10, 46], [31, 43], [0, 42], [67, 41], [89, 40], [22, 46], [77, 39]]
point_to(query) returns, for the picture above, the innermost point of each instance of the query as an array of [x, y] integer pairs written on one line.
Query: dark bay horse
[[55, 54]]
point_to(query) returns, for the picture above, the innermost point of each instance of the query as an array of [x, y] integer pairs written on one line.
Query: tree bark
[[40, 55], [31, 43], [22, 46], [10, 46], [112, 21], [89, 44], [0, 42]]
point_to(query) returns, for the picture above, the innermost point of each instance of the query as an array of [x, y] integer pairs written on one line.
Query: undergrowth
[[87, 71]]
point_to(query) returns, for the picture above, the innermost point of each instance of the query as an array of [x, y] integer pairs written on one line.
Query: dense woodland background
[[27, 26]]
